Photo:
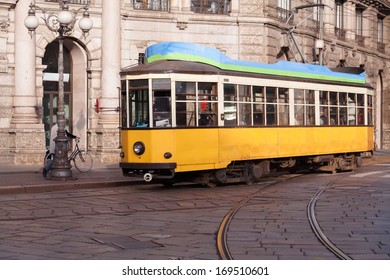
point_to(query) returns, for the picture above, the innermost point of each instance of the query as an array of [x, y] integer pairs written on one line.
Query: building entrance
[[50, 89]]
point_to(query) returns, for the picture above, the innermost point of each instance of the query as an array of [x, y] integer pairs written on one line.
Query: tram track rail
[[316, 227], [222, 246], [222, 243]]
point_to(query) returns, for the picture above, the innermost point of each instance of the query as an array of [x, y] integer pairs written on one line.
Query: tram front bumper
[[149, 171]]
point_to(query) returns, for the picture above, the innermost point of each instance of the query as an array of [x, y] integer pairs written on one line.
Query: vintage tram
[[193, 113]]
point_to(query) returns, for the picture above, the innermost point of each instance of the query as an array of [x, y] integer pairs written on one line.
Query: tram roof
[[175, 57], [172, 66]]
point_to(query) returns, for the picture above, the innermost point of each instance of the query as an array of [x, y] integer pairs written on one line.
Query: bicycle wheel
[[83, 161]]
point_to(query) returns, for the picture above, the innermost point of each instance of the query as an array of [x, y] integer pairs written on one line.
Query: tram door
[[50, 89]]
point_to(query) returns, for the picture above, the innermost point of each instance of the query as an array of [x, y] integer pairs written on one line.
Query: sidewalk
[[28, 178]]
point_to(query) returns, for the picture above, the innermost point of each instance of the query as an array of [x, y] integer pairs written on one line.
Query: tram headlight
[[139, 148]]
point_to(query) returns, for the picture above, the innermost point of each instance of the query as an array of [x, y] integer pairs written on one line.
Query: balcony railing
[[154, 5], [221, 7], [282, 14], [340, 33], [359, 40], [81, 2], [381, 47]]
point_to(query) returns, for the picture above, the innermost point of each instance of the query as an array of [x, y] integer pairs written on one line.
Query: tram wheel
[[168, 183], [208, 180]]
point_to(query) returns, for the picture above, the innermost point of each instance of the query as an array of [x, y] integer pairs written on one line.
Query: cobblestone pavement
[[141, 221], [119, 223], [353, 212]]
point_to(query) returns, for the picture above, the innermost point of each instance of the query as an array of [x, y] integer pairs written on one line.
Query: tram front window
[[162, 109], [135, 103], [139, 108]]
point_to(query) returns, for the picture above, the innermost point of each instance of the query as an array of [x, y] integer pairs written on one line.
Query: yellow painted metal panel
[[322, 140], [197, 149], [157, 143], [202, 149], [261, 143], [247, 143]]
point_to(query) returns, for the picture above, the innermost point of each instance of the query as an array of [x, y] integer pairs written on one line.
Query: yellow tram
[[192, 113]]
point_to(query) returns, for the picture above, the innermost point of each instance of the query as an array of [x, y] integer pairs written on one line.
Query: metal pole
[[321, 35], [61, 165], [62, 24]]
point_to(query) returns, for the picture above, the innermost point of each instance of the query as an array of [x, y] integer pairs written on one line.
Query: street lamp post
[[63, 24]]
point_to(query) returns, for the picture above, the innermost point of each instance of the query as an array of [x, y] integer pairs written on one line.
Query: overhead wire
[[351, 13]]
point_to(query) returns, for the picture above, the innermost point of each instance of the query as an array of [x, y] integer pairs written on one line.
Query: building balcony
[[340, 33], [381, 47], [359, 40], [81, 2]]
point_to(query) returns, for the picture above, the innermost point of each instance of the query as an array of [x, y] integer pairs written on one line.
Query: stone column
[[24, 102], [107, 133], [350, 21], [111, 62], [26, 133], [329, 17], [370, 28], [175, 5], [235, 6], [185, 5]]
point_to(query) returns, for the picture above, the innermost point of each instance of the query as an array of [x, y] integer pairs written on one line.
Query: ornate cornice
[[383, 6]]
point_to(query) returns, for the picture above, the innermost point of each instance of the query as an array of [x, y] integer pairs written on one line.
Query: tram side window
[[369, 110], [360, 109], [341, 108], [162, 109], [351, 108], [258, 106], [244, 102], [333, 109], [185, 104], [310, 107], [123, 104], [230, 105], [330, 111], [324, 108], [304, 107], [298, 107], [283, 112], [343, 112], [207, 104], [271, 107]]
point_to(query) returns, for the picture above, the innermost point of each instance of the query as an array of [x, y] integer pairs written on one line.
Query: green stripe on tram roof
[[258, 70]]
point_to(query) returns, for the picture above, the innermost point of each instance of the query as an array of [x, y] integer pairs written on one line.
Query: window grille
[[221, 7], [154, 5], [339, 20], [81, 2], [340, 33], [283, 9], [359, 40]]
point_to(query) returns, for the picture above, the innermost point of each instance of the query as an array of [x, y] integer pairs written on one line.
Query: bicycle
[[82, 160]]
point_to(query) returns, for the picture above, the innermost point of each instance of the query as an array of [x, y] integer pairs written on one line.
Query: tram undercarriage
[[251, 171]]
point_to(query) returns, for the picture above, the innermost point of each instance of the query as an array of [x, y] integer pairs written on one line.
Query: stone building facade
[[341, 34]]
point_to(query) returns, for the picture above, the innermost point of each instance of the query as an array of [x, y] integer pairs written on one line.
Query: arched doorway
[[50, 89], [75, 88]]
